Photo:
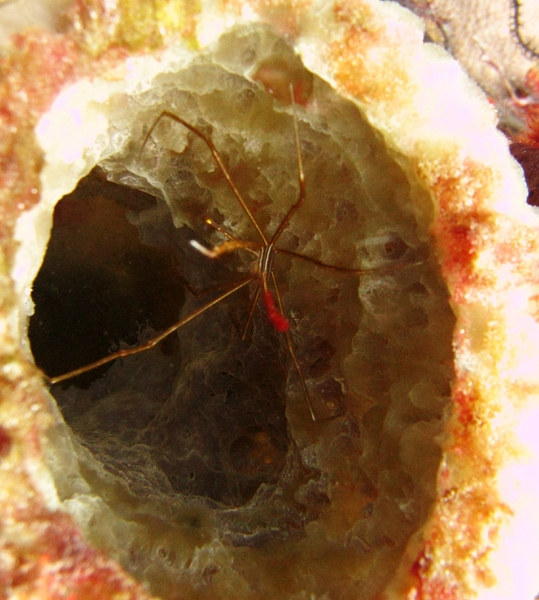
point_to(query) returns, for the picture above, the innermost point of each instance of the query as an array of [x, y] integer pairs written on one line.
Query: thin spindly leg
[[292, 352], [324, 265], [218, 160], [231, 245], [351, 271], [251, 313], [301, 181], [154, 341], [200, 293]]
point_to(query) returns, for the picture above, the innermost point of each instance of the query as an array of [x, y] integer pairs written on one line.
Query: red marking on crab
[[277, 319]]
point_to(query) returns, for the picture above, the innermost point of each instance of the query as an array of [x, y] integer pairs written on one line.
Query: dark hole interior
[[100, 289]]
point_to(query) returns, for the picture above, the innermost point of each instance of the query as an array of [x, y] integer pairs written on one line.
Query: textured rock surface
[[199, 469]]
